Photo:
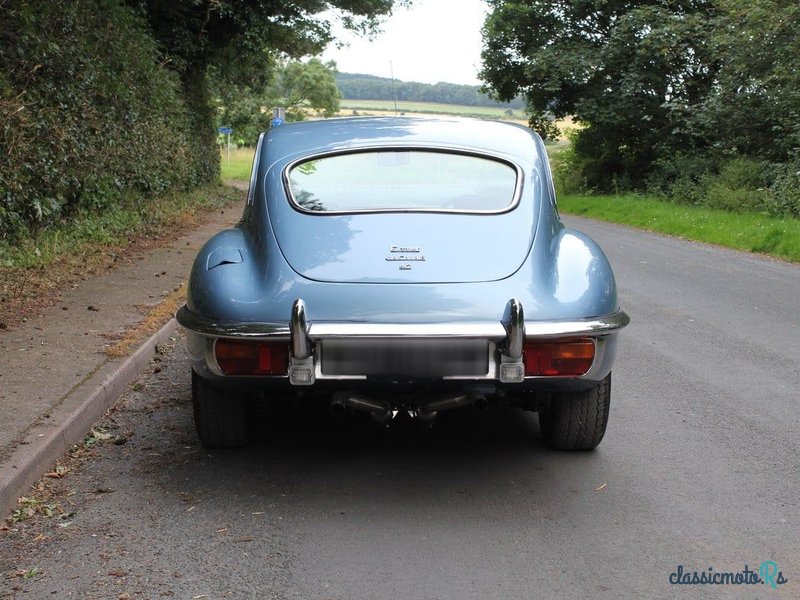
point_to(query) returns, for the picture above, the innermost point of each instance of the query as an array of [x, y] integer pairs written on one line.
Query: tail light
[[252, 358], [559, 358]]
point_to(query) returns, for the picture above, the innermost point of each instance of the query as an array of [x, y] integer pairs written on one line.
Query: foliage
[[239, 36], [103, 102], [236, 42], [738, 184], [297, 86], [84, 235], [696, 99], [89, 116], [627, 71], [308, 84], [566, 166], [754, 107], [371, 87], [784, 191]]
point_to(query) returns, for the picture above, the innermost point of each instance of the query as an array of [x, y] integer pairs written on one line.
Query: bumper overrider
[[303, 351]]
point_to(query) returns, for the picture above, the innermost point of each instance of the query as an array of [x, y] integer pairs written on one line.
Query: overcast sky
[[434, 40]]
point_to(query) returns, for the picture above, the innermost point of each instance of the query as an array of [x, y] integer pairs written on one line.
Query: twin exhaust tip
[[382, 412]]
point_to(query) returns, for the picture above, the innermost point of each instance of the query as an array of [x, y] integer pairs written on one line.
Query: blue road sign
[[277, 121], [225, 130]]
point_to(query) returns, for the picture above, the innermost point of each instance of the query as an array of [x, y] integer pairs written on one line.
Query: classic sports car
[[400, 264]]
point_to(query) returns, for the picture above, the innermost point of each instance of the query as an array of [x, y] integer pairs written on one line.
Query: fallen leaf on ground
[[58, 472], [100, 435]]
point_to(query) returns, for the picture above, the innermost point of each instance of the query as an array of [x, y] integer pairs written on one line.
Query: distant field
[[388, 106]]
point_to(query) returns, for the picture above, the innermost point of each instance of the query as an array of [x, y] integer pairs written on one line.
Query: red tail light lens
[[252, 358], [559, 358]]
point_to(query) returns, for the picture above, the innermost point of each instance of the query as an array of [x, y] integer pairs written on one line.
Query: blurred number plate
[[415, 358]]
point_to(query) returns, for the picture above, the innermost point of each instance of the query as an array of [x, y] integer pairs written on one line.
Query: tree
[[236, 35], [239, 38], [629, 72], [754, 108], [295, 85], [309, 84]]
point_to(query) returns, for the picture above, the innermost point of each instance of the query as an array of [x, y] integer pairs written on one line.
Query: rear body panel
[[412, 295]]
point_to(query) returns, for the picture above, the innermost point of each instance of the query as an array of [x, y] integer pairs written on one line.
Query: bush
[[568, 168], [90, 115], [737, 185], [784, 192], [682, 179], [740, 186]]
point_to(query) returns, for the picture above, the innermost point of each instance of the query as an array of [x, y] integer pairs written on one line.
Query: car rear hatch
[[405, 216]]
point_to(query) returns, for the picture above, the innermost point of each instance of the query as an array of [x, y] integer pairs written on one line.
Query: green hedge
[[91, 116]]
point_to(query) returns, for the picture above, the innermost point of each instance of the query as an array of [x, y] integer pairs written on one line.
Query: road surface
[[698, 471]]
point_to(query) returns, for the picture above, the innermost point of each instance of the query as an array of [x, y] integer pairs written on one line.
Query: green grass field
[[238, 166]]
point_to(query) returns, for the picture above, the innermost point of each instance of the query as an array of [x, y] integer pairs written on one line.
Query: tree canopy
[[628, 71], [236, 35], [242, 41], [653, 83]]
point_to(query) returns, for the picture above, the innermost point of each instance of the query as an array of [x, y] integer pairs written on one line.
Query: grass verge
[[236, 165], [33, 270], [753, 232]]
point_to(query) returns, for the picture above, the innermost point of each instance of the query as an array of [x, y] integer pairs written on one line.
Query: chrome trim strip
[[515, 199], [251, 190], [491, 331], [210, 327], [592, 327], [495, 331]]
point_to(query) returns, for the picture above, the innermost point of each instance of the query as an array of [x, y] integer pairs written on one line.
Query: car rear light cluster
[[252, 358], [558, 358]]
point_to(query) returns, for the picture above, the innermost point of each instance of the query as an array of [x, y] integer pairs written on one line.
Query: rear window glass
[[403, 180]]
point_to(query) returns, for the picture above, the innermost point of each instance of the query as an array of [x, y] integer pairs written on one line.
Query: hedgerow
[[91, 115]]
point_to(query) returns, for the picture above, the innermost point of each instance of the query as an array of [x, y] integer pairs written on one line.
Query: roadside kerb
[[45, 443]]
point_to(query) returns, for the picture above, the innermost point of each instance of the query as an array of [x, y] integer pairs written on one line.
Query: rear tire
[[577, 420], [221, 416]]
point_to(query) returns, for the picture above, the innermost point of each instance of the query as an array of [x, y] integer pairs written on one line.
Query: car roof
[[330, 135]]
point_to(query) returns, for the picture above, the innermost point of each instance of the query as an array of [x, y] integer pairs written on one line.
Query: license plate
[[411, 358]]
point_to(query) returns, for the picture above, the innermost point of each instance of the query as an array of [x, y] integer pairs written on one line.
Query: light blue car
[[402, 264]]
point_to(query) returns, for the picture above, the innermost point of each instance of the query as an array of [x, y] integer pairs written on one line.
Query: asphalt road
[[699, 468]]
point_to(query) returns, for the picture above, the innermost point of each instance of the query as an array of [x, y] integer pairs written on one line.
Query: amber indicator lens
[[252, 358], [559, 358]]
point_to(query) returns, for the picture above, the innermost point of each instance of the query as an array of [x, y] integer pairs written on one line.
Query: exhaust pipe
[[427, 414], [338, 406], [431, 409], [381, 412], [480, 403]]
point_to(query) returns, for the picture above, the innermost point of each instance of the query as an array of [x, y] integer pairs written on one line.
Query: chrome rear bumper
[[504, 340]]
